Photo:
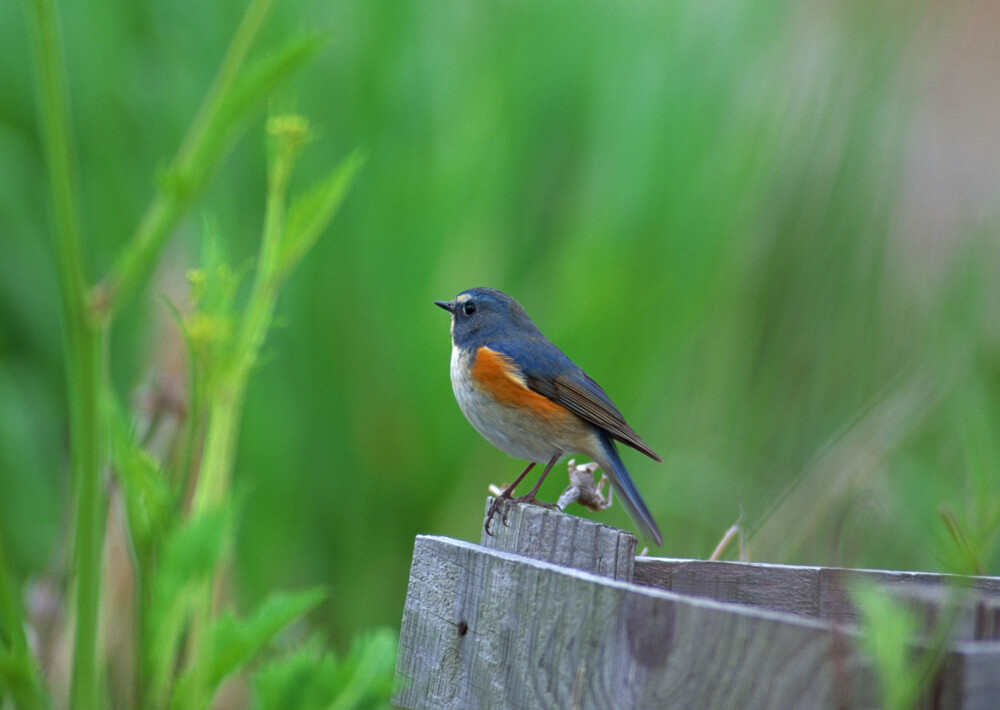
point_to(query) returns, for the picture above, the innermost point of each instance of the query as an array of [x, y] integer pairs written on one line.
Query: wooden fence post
[[526, 621], [566, 540]]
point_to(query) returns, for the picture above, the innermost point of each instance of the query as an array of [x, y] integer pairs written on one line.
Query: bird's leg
[[530, 498], [506, 495]]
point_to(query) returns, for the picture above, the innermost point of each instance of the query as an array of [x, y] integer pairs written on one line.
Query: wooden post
[[819, 592], [566, 540], [972, 615], [494, 629]]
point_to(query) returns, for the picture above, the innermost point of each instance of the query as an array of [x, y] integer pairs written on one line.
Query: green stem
[[82, 336], [187, 175], [226, 402], [220, 447], [192, 426], [217, 462], [224, 412]]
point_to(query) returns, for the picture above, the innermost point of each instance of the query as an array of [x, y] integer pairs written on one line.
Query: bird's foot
[[505, 499], [505, 495], [500, 499]]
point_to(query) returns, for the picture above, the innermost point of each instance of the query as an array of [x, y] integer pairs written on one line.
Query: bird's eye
[[469, 308]]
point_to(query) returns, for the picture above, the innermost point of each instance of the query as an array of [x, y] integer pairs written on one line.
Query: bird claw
[[505, 495], [506, 499], [501, 497]]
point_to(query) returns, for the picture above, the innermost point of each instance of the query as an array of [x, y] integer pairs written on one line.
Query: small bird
[[528, 399]]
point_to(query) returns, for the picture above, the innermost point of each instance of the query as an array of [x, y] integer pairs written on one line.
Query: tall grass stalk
[[187, 173], [289, 134], [225, 344], [87, 313], [82, 348]]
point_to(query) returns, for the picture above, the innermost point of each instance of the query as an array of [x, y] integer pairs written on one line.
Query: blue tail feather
[[612, 464]]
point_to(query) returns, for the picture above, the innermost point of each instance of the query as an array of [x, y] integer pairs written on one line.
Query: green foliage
[[906, 658], [232, 643], [19, 673], [191, 553], [888, 632], [973, 534], [209, 327], [179, 528], [238, 92], [312, 211], [251, 87], [314, 679], [147, 495]]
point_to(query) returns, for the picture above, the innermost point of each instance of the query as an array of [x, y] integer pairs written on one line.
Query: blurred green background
[[768, 229]]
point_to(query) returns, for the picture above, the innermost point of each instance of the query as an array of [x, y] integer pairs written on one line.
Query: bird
[[528, 399]]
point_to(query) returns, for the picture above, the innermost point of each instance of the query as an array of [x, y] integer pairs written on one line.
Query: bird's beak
[[447, 305]]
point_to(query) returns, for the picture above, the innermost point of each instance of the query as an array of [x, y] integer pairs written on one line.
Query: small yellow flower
[[197, 280], [290, 130], [204, 330]]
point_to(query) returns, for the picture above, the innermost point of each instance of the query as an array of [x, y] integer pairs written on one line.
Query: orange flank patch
[[497, 374]]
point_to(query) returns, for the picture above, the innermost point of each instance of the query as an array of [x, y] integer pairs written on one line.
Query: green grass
[[697, 202]]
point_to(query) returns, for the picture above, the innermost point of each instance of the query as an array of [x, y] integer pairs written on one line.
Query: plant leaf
[[886, 632], [312, 212], [235, 642], [143, 483], [249, 91], [369, 667], [303, 679], [314, 679], [189, 555]]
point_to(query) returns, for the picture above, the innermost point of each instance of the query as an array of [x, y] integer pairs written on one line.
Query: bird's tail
[[609, 460]]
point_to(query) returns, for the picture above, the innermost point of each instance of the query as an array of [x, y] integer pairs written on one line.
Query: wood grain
[[488, 629], [562, 539], [820, 592], [543, 615]]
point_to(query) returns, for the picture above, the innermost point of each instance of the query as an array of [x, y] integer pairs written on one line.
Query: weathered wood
[[835, 585], [973, 678], [970, 615], [774, 587], [523, 622], [487, 629], [821, 592], [566, 540]]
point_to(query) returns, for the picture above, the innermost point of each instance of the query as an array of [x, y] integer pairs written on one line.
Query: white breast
[[507, 428]]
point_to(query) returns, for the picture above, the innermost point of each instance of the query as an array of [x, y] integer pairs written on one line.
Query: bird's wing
[[549, 372]]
